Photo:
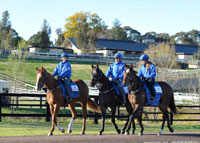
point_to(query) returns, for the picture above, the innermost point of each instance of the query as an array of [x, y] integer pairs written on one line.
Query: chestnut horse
[[55, 99], [137, 98]]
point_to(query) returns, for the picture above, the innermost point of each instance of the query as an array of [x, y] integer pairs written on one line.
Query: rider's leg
[[122, 92], [67, 86], [150, 83]]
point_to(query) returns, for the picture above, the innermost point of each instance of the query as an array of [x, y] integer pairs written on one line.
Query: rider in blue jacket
[[116, 72], [147, 72], [63, 72]]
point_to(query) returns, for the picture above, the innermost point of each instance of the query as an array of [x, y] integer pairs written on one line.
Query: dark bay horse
[[137, 98], [107, 97], [55, 99]]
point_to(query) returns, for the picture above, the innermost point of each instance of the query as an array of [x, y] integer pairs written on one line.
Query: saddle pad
[[74, 91], [158, 92], [117, 89]]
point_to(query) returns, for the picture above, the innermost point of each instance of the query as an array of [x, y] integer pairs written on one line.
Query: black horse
[[137, 97], [107, 97]]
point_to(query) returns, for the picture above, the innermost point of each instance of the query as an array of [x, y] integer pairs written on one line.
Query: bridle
[[45, 79]]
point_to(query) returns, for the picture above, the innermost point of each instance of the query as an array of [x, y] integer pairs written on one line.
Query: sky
[[169, 16]]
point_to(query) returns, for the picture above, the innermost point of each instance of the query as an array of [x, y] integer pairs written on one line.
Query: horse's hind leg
[[74, 115], [169, 123], [84, 109], [113, 119]]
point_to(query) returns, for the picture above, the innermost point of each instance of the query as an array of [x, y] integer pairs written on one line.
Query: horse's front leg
[[113, 110], [56, 110], [103, 111], [125, 126], [52, 123]]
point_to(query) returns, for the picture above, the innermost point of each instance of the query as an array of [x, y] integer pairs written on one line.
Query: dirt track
[[176, 137]]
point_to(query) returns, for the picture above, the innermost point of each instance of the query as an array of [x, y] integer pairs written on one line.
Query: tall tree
[[117, 32], [84, 27], [61, 38], [44, 38]]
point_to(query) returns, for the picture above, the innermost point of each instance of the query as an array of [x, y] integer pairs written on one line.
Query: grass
[[27, 71], [34, 128]]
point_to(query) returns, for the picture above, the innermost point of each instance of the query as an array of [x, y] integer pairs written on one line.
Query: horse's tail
[[172, 105], [93, 106]]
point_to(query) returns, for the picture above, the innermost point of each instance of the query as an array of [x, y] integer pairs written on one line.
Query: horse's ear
[[98, 65], [92, 66], [36, 68], [126, 65], [43, 69], [132, 66]]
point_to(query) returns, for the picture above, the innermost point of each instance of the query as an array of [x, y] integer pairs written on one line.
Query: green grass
[[28, 73], [33, 128]]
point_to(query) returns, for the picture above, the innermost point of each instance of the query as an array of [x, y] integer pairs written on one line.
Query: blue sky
[[170, 16]]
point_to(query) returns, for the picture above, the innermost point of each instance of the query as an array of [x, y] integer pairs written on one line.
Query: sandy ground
[[165, 138]]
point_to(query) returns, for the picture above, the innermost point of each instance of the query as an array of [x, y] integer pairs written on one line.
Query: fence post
[[95, 114], [0, 107], [47, 112], [40, 102]]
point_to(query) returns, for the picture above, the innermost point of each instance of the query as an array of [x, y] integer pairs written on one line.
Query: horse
[[137, 97], [56, 99], [107, 97]]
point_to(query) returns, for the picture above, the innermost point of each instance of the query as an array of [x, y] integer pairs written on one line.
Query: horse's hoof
[[62, 130], [140, 134], [171, 130], [122, 132], [50, 134], [99, 133], [158, 134], [69, 131], [118, 131], [82, 133], [133, 133], [126, 133]]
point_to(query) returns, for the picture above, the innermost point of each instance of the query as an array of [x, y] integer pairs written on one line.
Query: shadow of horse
[[56, 99], [137, 98]]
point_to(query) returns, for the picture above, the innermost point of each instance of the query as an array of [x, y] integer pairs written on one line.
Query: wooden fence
[[40, 99]]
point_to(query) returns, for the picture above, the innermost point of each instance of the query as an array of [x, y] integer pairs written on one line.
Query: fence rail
[[95, 116]]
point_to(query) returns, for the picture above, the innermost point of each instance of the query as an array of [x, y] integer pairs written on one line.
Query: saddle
[[74, 90], [158, 91]]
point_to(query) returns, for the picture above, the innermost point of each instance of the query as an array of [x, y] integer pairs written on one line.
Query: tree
[[61, 38], [117, 32], [163, 55], [162, 38], [132, 34], [84, 27], [44, 38]]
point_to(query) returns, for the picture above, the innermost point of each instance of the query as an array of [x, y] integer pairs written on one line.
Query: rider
[[147, 72], [116, 72], [63, 71]]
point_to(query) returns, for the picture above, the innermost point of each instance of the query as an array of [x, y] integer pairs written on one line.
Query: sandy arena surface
[[165, 138]]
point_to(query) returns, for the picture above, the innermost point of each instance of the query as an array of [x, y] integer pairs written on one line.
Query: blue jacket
[[116, 71], [151, 73], [63, 70]]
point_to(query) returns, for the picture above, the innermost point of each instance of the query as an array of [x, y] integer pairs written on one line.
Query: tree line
[[86, 27]]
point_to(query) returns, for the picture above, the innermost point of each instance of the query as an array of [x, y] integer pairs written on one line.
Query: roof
[[73, 41], [121, 45], [186, 49], [148, 36]]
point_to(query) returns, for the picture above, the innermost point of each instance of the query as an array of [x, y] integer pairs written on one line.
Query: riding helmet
[[64, 55], [144, 57], [118, 56]]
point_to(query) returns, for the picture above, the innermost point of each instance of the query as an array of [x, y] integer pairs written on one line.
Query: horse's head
[[130, 76], [41, 78], [96, 75]]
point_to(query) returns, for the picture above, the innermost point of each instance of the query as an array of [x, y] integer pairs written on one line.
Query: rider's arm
[[66, 71], [109, 71], [121, 73], [55, 71], [153, 71]]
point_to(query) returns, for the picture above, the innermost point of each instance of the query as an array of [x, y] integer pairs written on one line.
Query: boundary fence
[[95, 116]]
